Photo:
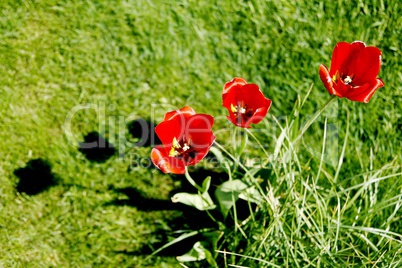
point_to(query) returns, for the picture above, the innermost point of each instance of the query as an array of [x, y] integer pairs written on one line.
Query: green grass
[[144, 58]]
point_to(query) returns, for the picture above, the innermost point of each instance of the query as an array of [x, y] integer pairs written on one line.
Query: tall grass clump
[[311, 214]]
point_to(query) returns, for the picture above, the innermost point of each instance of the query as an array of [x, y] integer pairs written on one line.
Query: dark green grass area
[[70, 70]]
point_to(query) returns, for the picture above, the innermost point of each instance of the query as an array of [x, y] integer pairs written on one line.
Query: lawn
[[80, 71]]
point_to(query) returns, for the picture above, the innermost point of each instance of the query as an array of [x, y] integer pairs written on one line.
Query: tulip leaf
[[251, 195], [204, 249], [233, 186], [176, 240], [228, 193], [199, 201], [197, 253], [225, 201], [206, 184]]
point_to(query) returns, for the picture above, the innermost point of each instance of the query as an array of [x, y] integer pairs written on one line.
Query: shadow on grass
[[135, 198], [138, 199], [35, 177], [144, 130], [188, 218], [96, 148]]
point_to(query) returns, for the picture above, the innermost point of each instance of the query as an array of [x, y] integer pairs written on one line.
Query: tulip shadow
[[135, 198], [187, 218], [96, 148], [144, 130], [35, 177], [190, 218]]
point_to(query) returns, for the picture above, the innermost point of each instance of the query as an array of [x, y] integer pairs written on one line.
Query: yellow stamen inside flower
[[233, 108], [335, 77], [237, 109], [177, 149]]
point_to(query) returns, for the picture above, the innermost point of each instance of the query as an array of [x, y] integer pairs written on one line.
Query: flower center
[[239, 109], [179, 148], [347, 80], [241, 112]]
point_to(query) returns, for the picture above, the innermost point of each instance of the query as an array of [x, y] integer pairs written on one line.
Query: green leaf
[[228, 193], [206, 184], [176, 240], [233, 186], [225, 201], [199, 201], [251, 195], [203, 249], [210, 258], [197, 253], [212, 237]]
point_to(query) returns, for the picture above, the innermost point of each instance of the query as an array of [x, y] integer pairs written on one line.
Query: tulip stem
[[312, 119], [191, 181], [200, 190]]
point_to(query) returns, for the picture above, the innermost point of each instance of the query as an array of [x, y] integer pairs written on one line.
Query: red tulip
[[245, 102], [353, 73], [186, 137]]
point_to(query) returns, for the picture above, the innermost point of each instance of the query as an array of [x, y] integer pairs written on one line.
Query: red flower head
[[186, 138], [353, 73], [245, 102]]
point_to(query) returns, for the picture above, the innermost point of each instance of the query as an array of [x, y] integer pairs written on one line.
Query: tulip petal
[[364, 94], [339, 54], [260, 113], [249, 94], [367, 66], [167, 130], [184, 112], [199, 131], [232, 98], [252, 96], [341, 89], [238, 122], [349, 55], [202, 152], [327, 80], [237, 81], [165, 163]]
